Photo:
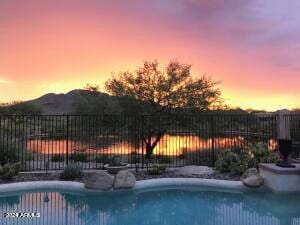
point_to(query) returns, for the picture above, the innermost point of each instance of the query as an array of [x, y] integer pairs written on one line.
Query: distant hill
[[74, 102], [80, 101], [70, 102]]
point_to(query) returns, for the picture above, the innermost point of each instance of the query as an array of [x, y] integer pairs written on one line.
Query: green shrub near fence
[[71, 172], [237, 162], [79, 157], [8, 171]]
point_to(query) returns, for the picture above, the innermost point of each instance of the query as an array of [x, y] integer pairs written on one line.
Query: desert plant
[[237, 162], [115, 161], [16, 166], [58, 158], [12, 151], [71, 172], [232, 162], [79, 157], [261, 154], [8, 171], [157, 170]]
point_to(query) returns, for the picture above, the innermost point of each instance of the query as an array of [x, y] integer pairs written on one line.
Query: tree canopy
[[169, 88], [161, 91]]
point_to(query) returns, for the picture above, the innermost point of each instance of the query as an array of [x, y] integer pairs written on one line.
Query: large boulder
[[99, 180], [124, 179], [193, 171], [251, 178]]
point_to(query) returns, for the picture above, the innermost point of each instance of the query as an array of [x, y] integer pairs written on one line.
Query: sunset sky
[[252, 47]]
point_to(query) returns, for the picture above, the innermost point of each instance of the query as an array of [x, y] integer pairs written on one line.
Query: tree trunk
[[149, 150]]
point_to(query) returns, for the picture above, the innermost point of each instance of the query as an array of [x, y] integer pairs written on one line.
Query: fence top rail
[[139, 115]]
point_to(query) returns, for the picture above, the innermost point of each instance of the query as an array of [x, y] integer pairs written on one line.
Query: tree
[[20, 108], [92, 87], [163, 91]]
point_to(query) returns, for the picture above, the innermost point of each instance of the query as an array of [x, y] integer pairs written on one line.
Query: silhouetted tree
[[162, 91], [92, 87], [20, 108]]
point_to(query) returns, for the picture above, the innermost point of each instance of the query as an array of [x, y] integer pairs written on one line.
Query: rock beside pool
[[194, 171], [99, 180], [251, 178], [124, 180]]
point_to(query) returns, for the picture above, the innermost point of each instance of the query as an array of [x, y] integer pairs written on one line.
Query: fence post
[[283, 124], [212, 139], [142, 135], [67, 141]]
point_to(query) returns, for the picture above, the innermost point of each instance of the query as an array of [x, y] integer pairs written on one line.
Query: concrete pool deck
[[70, 186], [280, 179]]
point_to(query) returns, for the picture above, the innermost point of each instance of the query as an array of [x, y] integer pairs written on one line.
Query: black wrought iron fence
[[294, 124], [43, 142]]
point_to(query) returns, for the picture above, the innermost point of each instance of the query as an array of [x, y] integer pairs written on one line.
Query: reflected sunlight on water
[[168, 145]]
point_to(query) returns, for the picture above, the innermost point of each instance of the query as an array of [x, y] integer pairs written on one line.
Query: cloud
[[268, 27]]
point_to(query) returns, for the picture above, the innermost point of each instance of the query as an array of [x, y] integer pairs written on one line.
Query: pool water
[[175, 206]]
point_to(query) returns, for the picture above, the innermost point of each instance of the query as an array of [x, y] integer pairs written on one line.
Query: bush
[[79, 157], [232, 162], [157, 170], [58, 158], [237, 162], [115, 161], [17, 167], [261, 154], [10, 174], [12, 151], [71, 172], [8, 171]]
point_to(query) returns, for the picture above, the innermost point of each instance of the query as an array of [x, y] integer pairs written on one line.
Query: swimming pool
[[168, 206]]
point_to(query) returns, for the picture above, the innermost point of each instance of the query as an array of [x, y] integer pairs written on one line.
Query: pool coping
[[71, 186]]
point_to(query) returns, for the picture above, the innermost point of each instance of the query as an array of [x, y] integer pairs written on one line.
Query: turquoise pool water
[[175, 206]]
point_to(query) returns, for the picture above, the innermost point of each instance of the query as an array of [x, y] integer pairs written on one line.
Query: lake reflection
[[169, 207], [168, 145]]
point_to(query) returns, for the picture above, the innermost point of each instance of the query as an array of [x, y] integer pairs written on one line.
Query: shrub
[[12, 151], [261, 154], [232, 162], [58, 158], [157, 170], [17, 167], [71, 172], [8, 171], [115, 161], [9, 175], [79, 157], [237, 162]]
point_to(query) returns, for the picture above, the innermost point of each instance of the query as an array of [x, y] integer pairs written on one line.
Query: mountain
[[73, 101]]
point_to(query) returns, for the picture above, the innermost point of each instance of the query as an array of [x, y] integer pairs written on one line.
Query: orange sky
[[59, 45]]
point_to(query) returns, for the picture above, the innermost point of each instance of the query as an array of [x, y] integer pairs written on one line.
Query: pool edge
[[73, 186]]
